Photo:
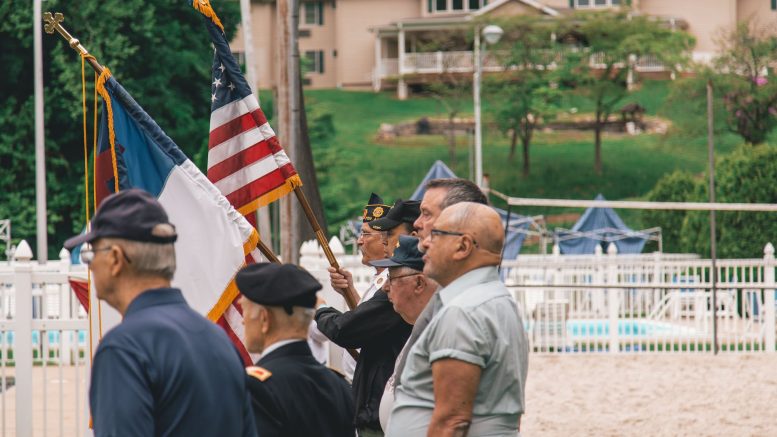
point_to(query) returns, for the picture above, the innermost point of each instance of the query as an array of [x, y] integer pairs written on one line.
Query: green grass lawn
[[562, 162]]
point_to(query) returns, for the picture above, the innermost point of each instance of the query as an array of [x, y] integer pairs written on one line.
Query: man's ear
[[116, 260], [463, 250]]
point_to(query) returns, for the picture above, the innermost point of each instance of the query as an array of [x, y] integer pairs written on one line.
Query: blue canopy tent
[[601, 226], [516, 230]]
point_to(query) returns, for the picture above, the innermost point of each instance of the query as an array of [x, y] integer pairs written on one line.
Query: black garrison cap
[[375, 209], [282, 285], [403, 211], [130, 215], [406, 255]]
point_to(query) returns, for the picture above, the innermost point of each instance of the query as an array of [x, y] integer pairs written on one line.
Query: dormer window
[[448, 6], [586, 4]]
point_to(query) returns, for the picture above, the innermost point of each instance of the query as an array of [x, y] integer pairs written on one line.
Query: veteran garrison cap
[[131, 214], [403, 211], [282, 285], [406, 255], [375, 209]]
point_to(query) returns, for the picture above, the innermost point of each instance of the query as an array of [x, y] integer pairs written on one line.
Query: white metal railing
[[44, 352], [463, 62], [623, 303]]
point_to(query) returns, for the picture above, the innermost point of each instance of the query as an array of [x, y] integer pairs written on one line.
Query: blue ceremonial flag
[[214, 238]]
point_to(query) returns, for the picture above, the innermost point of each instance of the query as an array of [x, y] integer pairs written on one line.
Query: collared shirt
[[348, 364], [166, 370], [479, 324], [268, 350]]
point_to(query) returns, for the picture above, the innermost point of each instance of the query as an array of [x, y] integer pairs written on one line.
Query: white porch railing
[[463, 62]]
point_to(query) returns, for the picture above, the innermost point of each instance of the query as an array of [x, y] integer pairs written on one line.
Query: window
[[594, 3], [315, 59], [774, 5], [441, 6], [314, 12]]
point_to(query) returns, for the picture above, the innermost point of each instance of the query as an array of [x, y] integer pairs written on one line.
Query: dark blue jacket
[[168, 371], [299, 397]]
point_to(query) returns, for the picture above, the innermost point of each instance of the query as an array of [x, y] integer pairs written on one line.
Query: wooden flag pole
[[267, 252], [316, 227]]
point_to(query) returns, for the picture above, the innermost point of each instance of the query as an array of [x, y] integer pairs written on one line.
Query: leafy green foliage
[[158, 49], [614, 40], [526, 99], [745, 175], [679, 186]]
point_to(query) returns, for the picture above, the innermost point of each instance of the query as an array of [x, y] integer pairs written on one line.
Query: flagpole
[[53, 24], [40, 149]]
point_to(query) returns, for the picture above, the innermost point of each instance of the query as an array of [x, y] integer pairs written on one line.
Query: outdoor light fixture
[[492, 33]]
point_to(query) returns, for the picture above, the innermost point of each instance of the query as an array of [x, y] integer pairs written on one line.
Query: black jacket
[[301, 397], [380, 332]]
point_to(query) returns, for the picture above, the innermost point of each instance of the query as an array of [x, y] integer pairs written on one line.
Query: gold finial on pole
[[53, 24]]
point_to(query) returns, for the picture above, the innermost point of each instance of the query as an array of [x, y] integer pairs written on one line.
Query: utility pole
[[40, 151], [713, 231]]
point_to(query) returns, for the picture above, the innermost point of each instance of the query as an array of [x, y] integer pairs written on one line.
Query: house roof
[[428, 23]]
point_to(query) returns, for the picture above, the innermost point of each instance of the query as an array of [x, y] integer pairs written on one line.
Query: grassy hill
[[562, 162]]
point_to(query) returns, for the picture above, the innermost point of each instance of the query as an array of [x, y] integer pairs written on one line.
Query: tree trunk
[[526, 140], [451, 140], [598, 126], [513, 143]]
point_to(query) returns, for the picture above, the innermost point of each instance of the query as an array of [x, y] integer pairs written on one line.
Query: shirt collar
[[154, 297], [467, 280], [277, 345]]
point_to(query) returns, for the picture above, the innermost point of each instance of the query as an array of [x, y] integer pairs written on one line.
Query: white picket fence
[[623, 303], [44, 349], [652, 303]]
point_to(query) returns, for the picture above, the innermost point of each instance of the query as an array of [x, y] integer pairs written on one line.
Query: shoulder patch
[[259, 373]]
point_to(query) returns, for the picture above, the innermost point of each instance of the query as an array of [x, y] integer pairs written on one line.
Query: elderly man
[[439, 194], [466, 374], [165, 369], [293, 394], [409, 291]]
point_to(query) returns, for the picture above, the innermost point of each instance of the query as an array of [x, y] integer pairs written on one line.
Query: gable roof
[[532, 3]]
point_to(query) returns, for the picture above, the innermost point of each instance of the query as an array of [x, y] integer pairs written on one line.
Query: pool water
[[630, 328], [53, 336]]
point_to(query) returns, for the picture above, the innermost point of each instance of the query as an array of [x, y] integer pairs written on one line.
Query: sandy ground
[[656, 395]]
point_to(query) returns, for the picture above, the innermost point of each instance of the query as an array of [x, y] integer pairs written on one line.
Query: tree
[[609, 44], [525, 92], [740, 76], [675, 187], [452, 90], [160, 52]]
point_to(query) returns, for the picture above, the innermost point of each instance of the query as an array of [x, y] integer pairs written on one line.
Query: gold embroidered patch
[[259, 373], [377, 212]]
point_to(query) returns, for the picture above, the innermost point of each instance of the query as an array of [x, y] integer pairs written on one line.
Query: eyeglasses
[[391, 279], [366, 234], [87, 254], [441, 232]]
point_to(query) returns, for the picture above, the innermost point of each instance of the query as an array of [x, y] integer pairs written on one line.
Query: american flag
[[245, 160]]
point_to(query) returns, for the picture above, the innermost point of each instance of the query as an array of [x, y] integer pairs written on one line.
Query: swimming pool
[[7, 339], [587, 328]]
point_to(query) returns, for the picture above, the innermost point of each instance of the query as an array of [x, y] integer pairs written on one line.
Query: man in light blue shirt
[[466, 374]]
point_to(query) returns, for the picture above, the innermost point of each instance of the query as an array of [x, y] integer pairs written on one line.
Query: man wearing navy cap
[[293, 394], [409, 290], [373, 326], [165, 369]]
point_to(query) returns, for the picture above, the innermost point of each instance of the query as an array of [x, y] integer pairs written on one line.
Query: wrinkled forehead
[[434, 197]]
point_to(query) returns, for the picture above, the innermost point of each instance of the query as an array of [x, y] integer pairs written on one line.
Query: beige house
[[373, 44]]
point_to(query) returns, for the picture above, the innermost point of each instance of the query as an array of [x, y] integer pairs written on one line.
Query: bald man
[[466, 374]]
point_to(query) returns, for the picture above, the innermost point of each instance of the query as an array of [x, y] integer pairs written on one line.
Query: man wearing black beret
[[293, 395]]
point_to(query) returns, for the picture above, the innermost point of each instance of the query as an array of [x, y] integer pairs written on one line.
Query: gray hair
[[150, 259], [459, 190]]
